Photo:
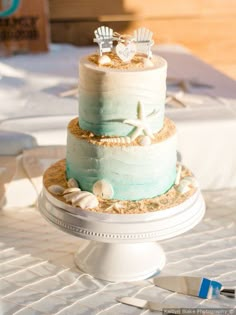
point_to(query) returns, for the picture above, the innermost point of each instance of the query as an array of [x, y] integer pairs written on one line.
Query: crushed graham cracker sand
[[137, 62], [167, 131], [56, 175]]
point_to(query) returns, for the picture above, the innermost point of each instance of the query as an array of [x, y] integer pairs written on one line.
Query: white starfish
[[141, 123]]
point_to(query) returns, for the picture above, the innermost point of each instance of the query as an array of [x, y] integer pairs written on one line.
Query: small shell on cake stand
[[178, 175], [103, 189], [186, 184], [56, 190], [71, 190], [83, 199], [72, 183]]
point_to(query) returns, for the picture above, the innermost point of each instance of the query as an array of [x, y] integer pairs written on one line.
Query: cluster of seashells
[[74, 195]]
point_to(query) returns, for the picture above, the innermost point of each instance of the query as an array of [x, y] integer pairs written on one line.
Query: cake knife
[[149, 305], [166, 309], [196, 286]]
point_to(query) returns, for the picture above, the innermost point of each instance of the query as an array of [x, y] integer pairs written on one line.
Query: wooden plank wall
[[207, 27], [26, 30]]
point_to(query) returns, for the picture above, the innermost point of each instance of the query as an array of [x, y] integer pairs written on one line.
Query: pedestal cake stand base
[[120, 262], [119, 247]]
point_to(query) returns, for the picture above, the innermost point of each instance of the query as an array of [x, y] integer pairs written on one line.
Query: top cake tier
[[109, 95]]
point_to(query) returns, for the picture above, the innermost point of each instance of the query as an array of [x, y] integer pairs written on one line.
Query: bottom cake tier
[[116, 168], [56, 184]]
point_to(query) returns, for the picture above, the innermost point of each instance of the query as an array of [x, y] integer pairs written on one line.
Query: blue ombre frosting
[[135, 172], [109, 96]]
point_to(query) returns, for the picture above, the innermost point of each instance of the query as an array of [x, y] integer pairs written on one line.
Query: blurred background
[[206, 27]]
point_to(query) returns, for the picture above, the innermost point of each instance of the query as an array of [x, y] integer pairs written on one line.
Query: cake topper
[[128, 45], [104, 39], [143, 40], [125, 48]]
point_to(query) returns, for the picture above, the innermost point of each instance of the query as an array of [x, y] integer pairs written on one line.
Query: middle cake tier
[[114, 169]]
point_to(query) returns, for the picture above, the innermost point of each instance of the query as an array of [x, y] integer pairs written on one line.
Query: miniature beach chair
[[143, 40], [104, 38]]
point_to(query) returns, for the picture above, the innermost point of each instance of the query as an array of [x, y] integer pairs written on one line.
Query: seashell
[[69, 197], [147, 62], [72, 183], [118, 206], [145, 140], [56, 189], [121, 140], [85, 200], [71, 190], [178, 175], [104, 60], [191, 180], [183, 187], [186, 184], [103, 189]]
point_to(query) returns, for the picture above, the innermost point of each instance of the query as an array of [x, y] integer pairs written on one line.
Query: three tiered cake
[[121, 150]]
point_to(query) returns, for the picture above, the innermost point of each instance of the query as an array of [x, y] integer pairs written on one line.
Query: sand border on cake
[[166, 132], [56, 175], [137, 63]]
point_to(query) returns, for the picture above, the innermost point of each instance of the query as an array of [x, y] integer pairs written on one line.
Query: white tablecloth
[[38, 276], [29, 104]]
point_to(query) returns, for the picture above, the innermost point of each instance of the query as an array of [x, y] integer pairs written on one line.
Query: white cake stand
[[118, 247]]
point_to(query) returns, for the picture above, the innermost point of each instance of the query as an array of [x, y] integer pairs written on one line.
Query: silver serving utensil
[[144, 304]]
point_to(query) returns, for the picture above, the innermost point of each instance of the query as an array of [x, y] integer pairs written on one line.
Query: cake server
[[196, 286], [166, 309], [144, 304]]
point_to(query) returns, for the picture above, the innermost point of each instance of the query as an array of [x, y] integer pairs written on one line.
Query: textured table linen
[[38, 276]]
